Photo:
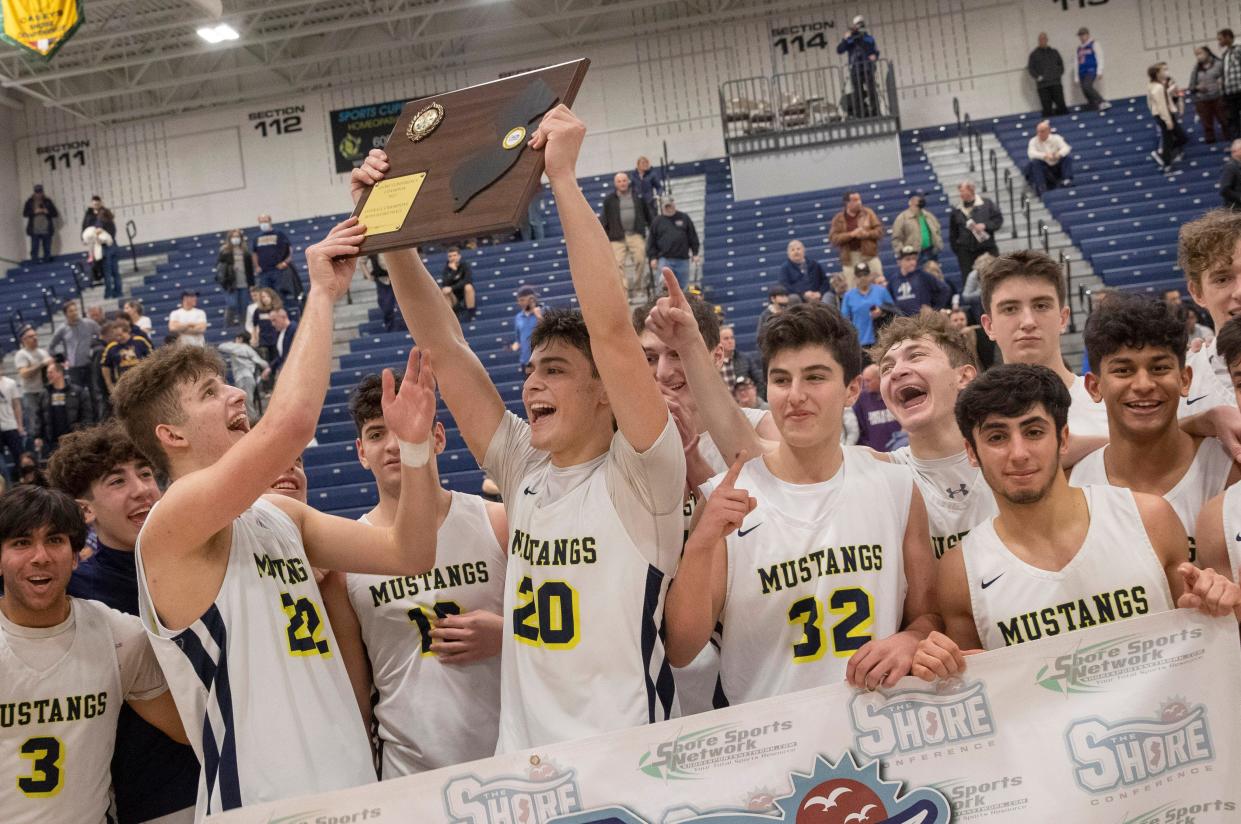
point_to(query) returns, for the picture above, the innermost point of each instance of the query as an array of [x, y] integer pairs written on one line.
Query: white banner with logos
[[1135, 722]]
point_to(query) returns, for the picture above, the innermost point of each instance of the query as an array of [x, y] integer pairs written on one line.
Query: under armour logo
[[960, 490]]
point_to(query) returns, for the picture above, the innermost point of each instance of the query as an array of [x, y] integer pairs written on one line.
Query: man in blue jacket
[[916, 289], [863, 52], [272, 258], [801, 276]]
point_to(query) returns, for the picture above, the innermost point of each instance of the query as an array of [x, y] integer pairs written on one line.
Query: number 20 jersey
[[814, 572], [257, 679]]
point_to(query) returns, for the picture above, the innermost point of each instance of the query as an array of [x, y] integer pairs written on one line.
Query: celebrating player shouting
[[592, 485]]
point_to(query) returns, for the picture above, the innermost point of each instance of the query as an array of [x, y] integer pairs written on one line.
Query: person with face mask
[[40, 213], [273, 256], [234, 271], [918, 228]]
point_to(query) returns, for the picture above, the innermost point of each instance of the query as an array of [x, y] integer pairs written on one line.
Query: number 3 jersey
[[61, 690], [814, 572], [259, 685], [429, 714]]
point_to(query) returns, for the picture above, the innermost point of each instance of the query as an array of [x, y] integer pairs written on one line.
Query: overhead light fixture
[[218, 33]]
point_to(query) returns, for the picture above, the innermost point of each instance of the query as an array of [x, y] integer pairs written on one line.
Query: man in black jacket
[[62, 409], [973, 226], [625, 219], [1047, 67], [40, 213], [1230, 181], [672, 242]]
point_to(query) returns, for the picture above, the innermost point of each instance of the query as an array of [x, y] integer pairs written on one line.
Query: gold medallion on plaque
[[514, 137], [425, 122]]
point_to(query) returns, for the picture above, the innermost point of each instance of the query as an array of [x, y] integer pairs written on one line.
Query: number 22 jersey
[[814, 572]]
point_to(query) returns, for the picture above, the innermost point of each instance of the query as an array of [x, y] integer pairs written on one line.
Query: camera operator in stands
[[863, 52]]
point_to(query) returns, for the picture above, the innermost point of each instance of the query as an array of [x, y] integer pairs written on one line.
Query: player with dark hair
[[224, 569], [67, 666], [1218, 531], [115, 486], [1057, 558], [592, 484], [1137, 369], [433, 641], [808, 529]]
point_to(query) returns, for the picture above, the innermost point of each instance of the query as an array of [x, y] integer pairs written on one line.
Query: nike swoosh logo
[[986, 584], [530, 491], [741, 533], [1194, 400]]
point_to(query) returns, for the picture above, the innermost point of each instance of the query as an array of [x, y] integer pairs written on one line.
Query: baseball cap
[[742, 380], [861, 269], [38, 187], [526, 292], [908, 251]]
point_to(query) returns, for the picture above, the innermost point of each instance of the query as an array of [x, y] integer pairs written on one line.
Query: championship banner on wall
[[1129, 723], [40, 26], [358, 130]]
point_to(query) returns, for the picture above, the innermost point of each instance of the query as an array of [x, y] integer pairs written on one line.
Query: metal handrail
[[969, 141], [131, 230], [982, 163], [1044, 232], [1066, 261], [1025, 205], [1012, 200], [956, 111], [995, 174]]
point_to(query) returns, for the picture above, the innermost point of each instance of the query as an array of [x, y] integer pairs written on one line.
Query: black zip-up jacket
[[1045, 66], [611, 219], [672, 237]]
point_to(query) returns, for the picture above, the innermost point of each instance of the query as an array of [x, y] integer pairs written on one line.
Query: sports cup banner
[[358, 130], [1129, 723], [39, 26]]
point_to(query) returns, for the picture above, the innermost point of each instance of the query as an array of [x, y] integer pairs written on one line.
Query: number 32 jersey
[[257, 679], [814, 572]]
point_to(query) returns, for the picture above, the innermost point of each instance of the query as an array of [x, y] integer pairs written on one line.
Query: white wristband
[[415, 455]]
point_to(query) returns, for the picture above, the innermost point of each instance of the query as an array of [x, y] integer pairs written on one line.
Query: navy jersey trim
[[660, 689]]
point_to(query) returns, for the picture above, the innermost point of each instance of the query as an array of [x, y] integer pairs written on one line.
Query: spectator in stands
[[12, 422], [647, 182], [534, 227], [982, 347], [914, 289], [735, 364], [971, 292], [248, 368], [863, 54], [1230, 57], [778, 300], [855, 232], [1206, 83], [98, 216], [40, 213], [95, 312], [838, 286], [864, 304], [673, 242], [1046, 66], [1166, 103], [188, 321], [527, 316], [234, 271], [1230, 180], [273, 258], [373, 270], [876, 426], [801, 276], [625, 218], [74, 339], [123, 352], [1051, 164], [457, 284], [972, 227], [133, 311], [258, 321], [285, 331], [30, 361], [1090, 70], [28, 472], [63, 408], [918, 228], [745, 393], [1196, 332]]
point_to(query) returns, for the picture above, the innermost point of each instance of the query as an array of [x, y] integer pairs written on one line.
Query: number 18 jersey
[[814, 572]]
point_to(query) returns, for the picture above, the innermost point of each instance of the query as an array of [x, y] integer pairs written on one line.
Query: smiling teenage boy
[[592, 485]]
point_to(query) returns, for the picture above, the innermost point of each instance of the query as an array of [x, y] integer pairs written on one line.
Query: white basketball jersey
[[1210, 386], [429, 714], [58, 727], [1206, 477], [1114, 575], [1232, 528], [259, 685], [956, 496], [582, 653], [1087, 419], [710, 453], [814, 572]]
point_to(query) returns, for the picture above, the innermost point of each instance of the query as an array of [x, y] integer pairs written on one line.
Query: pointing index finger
[[674, 288], [730, 477]]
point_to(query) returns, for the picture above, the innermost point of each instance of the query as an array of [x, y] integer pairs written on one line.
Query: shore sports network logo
[[912, 720], [1107, 755], [543, 794], [840, 793], [1090, 668], [686, 757]]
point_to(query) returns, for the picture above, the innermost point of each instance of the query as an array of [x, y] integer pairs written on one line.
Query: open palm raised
[[410, 413]]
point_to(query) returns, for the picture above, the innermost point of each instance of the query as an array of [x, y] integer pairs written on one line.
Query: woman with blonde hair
[[1167, 105]]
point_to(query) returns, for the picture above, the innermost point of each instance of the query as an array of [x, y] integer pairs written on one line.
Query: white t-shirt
[[191, 316], [24, 359], [8, 394], [1087, 419], [1209, 385]]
